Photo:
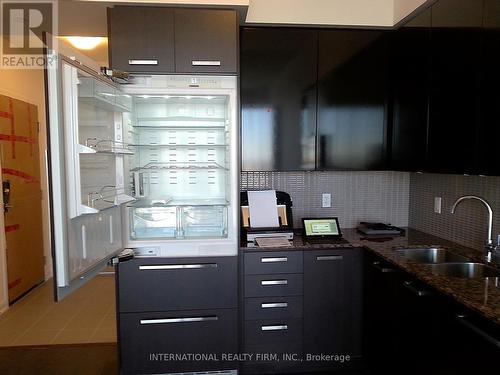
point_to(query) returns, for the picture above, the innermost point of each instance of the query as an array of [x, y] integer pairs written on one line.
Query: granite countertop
[[481, 295]]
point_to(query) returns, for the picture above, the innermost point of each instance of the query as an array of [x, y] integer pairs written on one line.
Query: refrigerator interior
[[179, 172]]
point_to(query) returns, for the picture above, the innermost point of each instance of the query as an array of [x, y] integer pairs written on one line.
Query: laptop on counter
[[325, 230]]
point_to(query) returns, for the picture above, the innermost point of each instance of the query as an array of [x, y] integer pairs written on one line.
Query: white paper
[[263, 209]]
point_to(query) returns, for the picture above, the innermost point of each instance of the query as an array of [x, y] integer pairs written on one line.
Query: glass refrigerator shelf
[[178, 166], [108, 146]]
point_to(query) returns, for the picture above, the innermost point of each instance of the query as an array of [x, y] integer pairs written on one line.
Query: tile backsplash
[[468, 225], [356, 196]]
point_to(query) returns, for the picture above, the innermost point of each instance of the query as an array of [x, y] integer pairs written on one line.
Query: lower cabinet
[[177, 315], [302, 309], [474, 343], [180, 341], [333, 309], [405, 322], [411, 328]]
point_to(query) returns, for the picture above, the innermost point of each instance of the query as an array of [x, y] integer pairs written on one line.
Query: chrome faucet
[[490, 246]]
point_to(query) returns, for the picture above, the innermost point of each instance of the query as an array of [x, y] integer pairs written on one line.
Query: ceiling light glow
[[84, 42]]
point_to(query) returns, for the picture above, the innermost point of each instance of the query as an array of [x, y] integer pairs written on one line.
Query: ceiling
[[89, 18], [365, 13]]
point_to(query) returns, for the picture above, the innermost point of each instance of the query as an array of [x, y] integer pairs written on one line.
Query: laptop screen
[[321, 227]]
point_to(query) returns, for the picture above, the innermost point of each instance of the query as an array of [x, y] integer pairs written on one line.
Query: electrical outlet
[[437, 205], [326, 200]]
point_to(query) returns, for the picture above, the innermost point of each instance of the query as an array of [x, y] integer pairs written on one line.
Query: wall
[[385, 13], [28, 85], [403, 8], [356, 196], [468, 225]]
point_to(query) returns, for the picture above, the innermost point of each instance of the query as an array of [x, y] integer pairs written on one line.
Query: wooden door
[[22, 195]]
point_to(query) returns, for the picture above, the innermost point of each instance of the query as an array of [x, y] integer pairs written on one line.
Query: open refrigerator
[[151, 165]]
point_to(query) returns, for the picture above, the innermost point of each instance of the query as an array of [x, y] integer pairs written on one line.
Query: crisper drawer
[[176, 222], [275, 285], [273, 308], [273, 262], [158, 284], [166, 342], [204, 221], [153, 222]]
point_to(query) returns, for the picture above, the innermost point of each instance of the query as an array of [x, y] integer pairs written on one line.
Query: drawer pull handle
[[274, 305], [178, 266], [381, 268], [273, 282], [143, 62], [462, 319], [330, 257], [273, 260], [420, 293], [179, 320], [205, 62], [283, 327]]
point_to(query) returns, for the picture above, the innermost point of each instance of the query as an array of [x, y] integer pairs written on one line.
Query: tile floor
[[86, 316]]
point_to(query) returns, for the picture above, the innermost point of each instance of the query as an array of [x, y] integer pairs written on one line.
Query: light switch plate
[[437, 205], [326, 200]]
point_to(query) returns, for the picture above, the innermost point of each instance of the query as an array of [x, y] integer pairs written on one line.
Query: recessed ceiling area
[[364, 13]]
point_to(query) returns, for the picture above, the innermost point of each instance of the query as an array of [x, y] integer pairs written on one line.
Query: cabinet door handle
[[273, 282], [179, 320], [273, 260], [377, 266], [274, 305], [421, 293], [329, 257], [143, 62], [178, 266], [462, 319], [205, 62], [283, 327]]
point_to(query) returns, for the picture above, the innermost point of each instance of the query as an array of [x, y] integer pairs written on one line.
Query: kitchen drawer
[[273, 262], [272, 331], [144, 335], [273, 308], [275, 285], [162, 284], [274, 358]]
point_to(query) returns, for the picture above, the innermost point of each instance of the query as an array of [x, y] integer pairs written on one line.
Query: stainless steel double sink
[[443, 262]]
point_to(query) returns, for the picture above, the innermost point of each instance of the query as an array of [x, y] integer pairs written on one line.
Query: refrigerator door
[[86, 156]]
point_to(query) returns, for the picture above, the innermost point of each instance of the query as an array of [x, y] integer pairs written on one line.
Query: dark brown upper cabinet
[[352, 100], [206, 41], [141, 39], [173, 40], [454, 107], [489, 130], [278, 98], [410, 67]]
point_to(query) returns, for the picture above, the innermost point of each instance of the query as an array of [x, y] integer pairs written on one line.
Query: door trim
[[4, 291]]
